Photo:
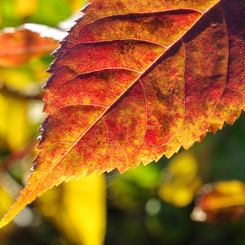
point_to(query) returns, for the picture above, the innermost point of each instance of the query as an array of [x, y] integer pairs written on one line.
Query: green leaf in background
[[50, 12]]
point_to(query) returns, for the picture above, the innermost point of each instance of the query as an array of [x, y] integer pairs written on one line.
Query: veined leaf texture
[[136, 80]]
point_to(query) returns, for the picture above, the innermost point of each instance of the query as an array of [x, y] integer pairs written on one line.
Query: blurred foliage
[[50, 12], [148, 205], [180, 180], [19, 116], [6, 201], [81, 210], [220, 201]]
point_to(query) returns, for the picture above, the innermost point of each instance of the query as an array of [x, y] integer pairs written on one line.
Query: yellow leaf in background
[[0, 13], [24, 8], [78, 209], [19, 78], [220, 201], [77, 4], [180, 180], [230, 193], [15, 120], [5, 201], [14, 130]]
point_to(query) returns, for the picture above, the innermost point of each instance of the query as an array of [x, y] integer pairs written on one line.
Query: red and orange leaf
[[134, 80], [17, 46]]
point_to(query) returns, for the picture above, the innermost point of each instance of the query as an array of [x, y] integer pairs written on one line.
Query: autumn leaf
[[18, 45], [136, 80]]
